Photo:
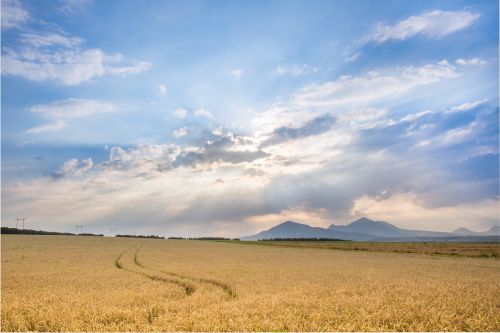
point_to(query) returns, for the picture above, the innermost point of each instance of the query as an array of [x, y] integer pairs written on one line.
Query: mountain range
[[365, 229]]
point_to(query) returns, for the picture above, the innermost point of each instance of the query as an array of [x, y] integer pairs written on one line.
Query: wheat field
[[483, 250], [68, 283]]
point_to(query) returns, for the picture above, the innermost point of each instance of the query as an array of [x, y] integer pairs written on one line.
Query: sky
[[225, 118]]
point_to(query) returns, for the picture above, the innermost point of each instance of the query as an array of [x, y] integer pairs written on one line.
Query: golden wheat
[[59, 283]]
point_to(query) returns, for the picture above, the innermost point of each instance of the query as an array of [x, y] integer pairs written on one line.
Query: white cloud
[[13, 14], [67, 109], [134, 68], [47, 128], [451, 137], [484, 150], [179, 133], [295, 70], [237, 73], [66, 67], [353, 57], [435, 24], [55, 56], [471, 62], [75, 168], [60, 58], [144, 159], [414, 116], [373, 86], [180, 113], [162, 89], [203, 113], [457, 135], [217, 131], [408, 211], [39, 40], [466, 106], [73, 108], [74, 6]]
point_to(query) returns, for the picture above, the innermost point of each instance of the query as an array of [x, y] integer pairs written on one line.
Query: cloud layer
[[373, 86], [46, 53], [323, 170], [435, 24], [13, 14], [62, 111]]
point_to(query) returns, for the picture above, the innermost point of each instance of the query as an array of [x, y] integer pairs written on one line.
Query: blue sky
[[227, 117]]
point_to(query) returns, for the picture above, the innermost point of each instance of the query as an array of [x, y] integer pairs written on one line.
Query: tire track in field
[[188, 288], [225, 287]]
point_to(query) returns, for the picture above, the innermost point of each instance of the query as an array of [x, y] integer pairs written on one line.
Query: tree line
[[16, 231], [302, 239], [206, 238], [141, 236]]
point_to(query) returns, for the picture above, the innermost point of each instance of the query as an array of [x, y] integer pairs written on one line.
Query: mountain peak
[[462, 230], [291, 229], [362, 220], [367, 222], [289, 223], [366, 226], [362, 229], [495, 229]]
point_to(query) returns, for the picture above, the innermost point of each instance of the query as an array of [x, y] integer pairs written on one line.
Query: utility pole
[[79, 226], [17, 222]]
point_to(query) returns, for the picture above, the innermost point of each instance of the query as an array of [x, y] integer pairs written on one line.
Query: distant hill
[[464, 231], [367, 226], [493, 231], [290, 229], [384, 229], [365, 229]]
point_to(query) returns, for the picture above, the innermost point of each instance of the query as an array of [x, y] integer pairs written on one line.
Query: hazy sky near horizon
[[225, 118]]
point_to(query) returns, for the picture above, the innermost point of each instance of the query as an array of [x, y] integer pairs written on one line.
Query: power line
[[81, 229]]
